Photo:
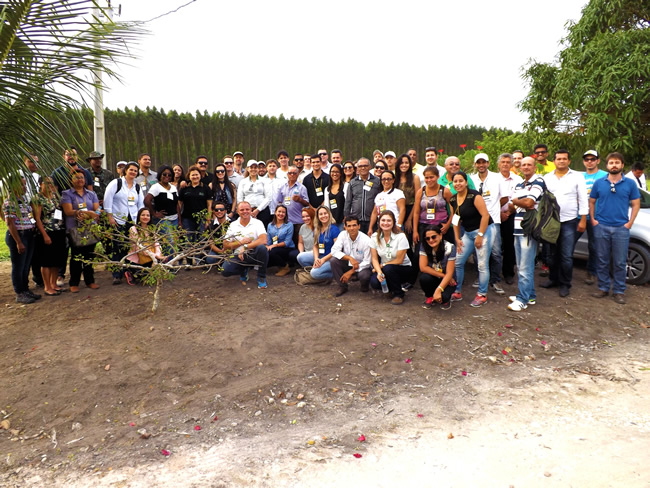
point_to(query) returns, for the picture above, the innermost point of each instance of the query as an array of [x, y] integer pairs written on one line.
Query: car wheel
[[638, 264]]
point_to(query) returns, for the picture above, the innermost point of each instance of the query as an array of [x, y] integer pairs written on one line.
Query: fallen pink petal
[[420, 415], [464, 373], [165, 452], [132, 424], [407, 360], [362, 438], [215, 418], [543, 343], [197, 427], [537, 329], [373, 344], [499, 334], [508, 326], [504, 352], [357, 455]]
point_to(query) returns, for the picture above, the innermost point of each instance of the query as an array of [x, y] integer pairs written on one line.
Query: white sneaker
[[531, 301], [60, 281], [475, 284], [496, 288], [517, 306]]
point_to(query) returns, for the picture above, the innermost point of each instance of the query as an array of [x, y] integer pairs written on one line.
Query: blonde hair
[[319, 227]]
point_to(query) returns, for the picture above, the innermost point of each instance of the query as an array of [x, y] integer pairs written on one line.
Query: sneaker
[[445, 306], [60, 281], [244, 277], [479, 301], [456, 297], [35, 296], [129, 278], [117, 281], [544, 271], [475, 284], [517, 306], [590, 279], [406, 287], [496, 288], [427, 303], [397, 300], [531, 301], [24, 298], [261, 284], [619, 298]]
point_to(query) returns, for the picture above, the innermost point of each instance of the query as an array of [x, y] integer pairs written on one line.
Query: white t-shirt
[[236, 230], [157, 189], [388, 201], [490, 191], [388, 250]]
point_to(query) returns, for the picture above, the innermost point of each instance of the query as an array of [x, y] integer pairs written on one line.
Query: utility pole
[[98, 119]]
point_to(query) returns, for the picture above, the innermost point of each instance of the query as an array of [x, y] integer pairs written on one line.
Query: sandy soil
[[248, 387]]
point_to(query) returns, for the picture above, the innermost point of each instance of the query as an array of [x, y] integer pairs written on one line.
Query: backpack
[[543, 224], [119, 186]]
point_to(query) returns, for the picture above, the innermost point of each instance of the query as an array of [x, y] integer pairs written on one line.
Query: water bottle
[[384, 285]]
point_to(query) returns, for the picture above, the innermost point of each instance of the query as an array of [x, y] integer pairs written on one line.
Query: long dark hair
[[286, 215], [399, 173], [227, 184], [440, 252], [341, 179], [182, 178]]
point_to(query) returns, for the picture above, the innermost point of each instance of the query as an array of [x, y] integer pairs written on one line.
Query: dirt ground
[[228, 385]]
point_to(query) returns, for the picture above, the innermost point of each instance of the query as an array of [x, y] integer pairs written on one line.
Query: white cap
[[481, 156], [389, 153]]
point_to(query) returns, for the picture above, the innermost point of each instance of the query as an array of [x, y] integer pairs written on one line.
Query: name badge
[[58, 215], [321, 248], [96, 181], [31, 218], [431, 213], [333, 204], [131, 200], [275, 239], [287, 201], [82, 207], [380, 209], [367, 186], [319, 192], [455, 220]]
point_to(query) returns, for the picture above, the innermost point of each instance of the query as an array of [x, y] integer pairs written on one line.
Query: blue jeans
[[496, 257], [20, 263], [611, 244], [591, 246], [167, 228], [525, 251], [561, 264], [258, 256], [307, 259], [483, 256]]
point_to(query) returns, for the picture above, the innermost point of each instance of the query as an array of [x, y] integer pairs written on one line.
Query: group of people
[[386, 223]]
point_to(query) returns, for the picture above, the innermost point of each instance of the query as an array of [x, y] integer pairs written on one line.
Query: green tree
[[598, 90]]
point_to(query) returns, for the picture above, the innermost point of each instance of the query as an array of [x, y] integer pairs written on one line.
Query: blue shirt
[[326, 240], [275, 235], [612, 207], [590, 178]]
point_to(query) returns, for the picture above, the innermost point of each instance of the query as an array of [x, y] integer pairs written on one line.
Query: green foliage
[[4, 249], [597, 94]]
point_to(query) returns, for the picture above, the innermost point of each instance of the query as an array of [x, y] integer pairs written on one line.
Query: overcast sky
[[425, 62]]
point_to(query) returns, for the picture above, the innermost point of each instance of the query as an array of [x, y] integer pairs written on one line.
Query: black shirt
[[470, 217], [337, 204], [195, 199], [316, 188]]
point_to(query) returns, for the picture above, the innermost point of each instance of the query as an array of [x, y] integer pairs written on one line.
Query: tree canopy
[[598, 88]]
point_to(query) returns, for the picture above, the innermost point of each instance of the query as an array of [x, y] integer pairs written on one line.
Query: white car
[[638, 254]]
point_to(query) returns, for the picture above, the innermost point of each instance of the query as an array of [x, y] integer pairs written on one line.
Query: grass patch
[[4, 250]]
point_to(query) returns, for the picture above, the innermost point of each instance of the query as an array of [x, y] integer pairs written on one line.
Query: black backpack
[[119, 186]]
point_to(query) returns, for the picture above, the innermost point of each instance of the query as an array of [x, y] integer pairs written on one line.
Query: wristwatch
[[480, 234], [245, 247]]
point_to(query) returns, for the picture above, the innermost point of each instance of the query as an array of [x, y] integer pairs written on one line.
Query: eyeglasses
[[322, 154], [380, 166], [541, 152], [387, 179], [203, 163], [298, 159], [348, 167], [167, 174], [220, 171], [433, 237], [612, 188], [228, 162], [219, 209], [590, 160], [363, 165]]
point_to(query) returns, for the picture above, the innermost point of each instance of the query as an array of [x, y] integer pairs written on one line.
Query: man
[[308, 162], [33, 183], [337, 156], [431, 157], [261, 169], [233, 176], [636, 174], [544, 166], [570, 191], [517, 156], [299, 162], [238, 162], [247, 237], [274, 182], [147, 178], [526, 196], [377, 155], [283, 159], [293, 195], [352, 251], [325, 165], [413, 154], [614, 195], [316, 182], [119, 168], [489, 186], [591, 160], [202, 163], [452, 166], [62, 176], [360, 198], [507, 185], [391, 159], [101, 177]]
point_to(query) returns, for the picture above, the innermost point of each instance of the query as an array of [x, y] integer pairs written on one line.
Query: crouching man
[[351, 257]]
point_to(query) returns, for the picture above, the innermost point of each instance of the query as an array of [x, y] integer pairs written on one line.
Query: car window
[[645, 199]]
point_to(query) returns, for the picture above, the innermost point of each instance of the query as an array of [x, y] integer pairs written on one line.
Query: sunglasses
[[379, 166], [220, 171], [612, 188], [541, 152], [322, 154], [203, 163], [348, 167], [432, 238], [219, 209], [298, 159], [228, 162], [167, 174], [387, 179]]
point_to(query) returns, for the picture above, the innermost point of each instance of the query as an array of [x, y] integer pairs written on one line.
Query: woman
[[223, 190], [50, 241], [20, 241], [409, 183], [390, 198], [162, 198], [81, 209], [349, 172], [380, 167], [335, 195], [306, 231], [179, 176], [390, 263], [437, 266], [144, 251], [255, 191], [325, 235], [470, 212], [193, 201], [279, 243], [430, 207]]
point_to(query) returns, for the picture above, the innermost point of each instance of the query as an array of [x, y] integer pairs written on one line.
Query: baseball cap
[[236, 153], [591, 152], [481, 156], [389, 154]]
